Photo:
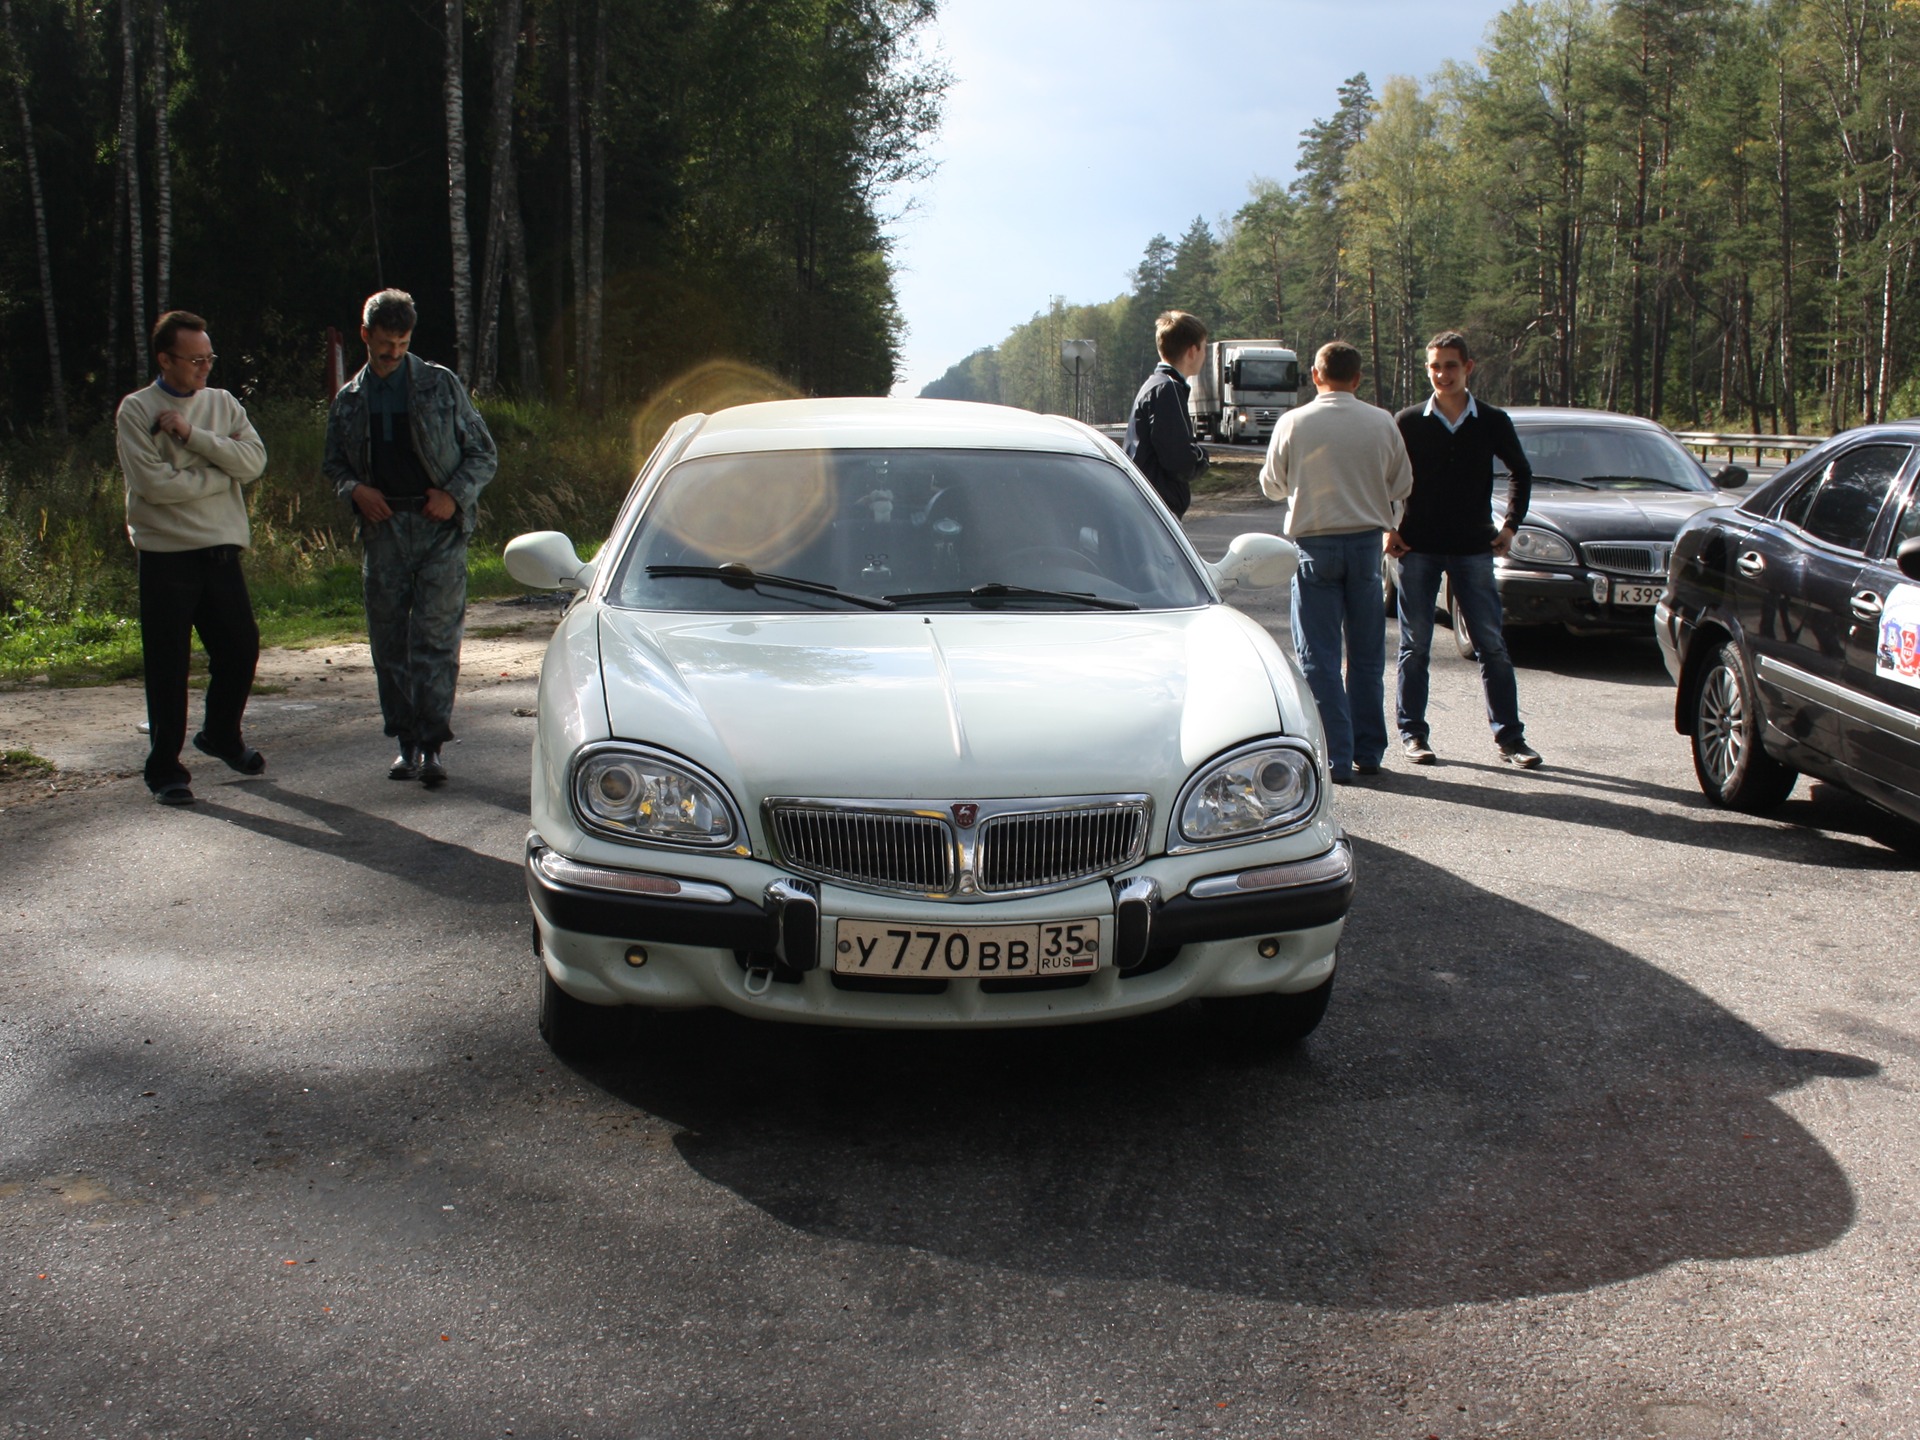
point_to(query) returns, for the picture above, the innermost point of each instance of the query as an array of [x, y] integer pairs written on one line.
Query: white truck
[[1242, 387]]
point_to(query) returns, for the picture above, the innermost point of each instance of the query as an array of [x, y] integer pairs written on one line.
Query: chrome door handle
[[1866, 605], [1751, 563]]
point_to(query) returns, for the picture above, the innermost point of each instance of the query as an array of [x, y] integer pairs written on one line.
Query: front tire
[[1735, 772], [573, 1029], [1462, 641], [1273, 1020]]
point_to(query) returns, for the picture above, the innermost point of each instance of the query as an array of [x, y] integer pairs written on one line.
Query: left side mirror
[[1255, 561], [1729, 477], [1908, 558]]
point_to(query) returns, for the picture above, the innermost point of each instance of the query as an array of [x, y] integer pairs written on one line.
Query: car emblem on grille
[[965, 815]]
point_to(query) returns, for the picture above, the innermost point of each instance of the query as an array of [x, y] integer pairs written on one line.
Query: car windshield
[[805, 530], [1610, 457]]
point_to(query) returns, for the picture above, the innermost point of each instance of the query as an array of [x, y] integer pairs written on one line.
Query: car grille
[[910, 851], [884, 848], [1058, 847], [1628, 558]]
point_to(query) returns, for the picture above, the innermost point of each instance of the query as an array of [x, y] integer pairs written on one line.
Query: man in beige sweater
[[186, 453], [1342, 468]]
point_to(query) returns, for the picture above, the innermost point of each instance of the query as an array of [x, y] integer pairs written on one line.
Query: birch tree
[[30, 152], [455, 97]]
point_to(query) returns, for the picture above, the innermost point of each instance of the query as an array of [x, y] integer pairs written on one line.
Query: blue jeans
[[1336, 590], [1471, 578]]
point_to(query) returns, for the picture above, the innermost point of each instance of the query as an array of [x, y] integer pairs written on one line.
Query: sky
[[1057, 163]]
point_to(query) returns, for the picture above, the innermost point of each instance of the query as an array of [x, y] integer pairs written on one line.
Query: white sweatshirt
[[186, 495]]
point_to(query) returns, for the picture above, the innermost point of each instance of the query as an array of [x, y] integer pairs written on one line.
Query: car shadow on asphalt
[[1498, 1104], [1620, 659], [1826, 830], [359, 837]]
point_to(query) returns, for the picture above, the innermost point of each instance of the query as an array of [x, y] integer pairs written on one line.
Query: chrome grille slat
[[908, 852], [1627, 557], [1030, 849]]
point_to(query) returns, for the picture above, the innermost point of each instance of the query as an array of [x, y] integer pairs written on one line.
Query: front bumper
[[1581, 598], [616, 937]]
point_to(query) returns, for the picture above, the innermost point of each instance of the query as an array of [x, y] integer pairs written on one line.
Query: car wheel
[[1734, 770], [1462, 641], [1273, 1020], [573, 1029]]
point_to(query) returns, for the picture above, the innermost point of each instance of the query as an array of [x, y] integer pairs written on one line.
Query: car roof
[[1574, 415], [868, 422]]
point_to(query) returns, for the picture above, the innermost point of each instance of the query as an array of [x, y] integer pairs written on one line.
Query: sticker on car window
[[1898, 655]]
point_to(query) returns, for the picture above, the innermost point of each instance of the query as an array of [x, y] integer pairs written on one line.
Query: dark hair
[[391, 311], [1338, 361], [1451, 340], [168, 327], [1177, 332]]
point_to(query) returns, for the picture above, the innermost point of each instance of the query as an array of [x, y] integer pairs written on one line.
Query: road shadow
[[1620, 659], [359, 837], [1498, 1105]]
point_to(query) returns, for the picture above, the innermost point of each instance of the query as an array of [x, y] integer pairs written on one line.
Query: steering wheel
[[1054, 554]]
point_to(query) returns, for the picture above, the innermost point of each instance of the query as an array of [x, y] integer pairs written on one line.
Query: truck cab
[[1241, 390]]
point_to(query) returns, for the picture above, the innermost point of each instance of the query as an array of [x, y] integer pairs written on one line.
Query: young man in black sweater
[[1448, 530], [1159, 431]]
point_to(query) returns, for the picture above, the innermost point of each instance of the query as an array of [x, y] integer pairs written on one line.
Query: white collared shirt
[[1472, 412]]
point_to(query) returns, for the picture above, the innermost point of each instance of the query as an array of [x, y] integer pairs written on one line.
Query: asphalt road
[[1609, 1132]]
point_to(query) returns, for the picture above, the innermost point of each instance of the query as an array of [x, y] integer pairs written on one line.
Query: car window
[[903, 524], [1612, 457], [1908, 525], [1840, 502]]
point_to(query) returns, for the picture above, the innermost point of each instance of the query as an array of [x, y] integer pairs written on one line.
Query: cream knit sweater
[[1340, 465], [187, 495]]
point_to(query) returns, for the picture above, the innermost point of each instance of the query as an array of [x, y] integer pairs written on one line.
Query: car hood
[[940, 706], [1635, 515]]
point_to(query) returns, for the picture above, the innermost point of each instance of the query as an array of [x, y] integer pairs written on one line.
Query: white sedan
[[917, 713]]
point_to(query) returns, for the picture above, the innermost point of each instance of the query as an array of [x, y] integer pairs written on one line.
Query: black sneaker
[[406, 765], [1520, 753], [1417, 750], [432, 773]]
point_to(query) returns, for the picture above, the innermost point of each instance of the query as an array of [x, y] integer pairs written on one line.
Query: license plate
[[1637, 594], [981, 952]]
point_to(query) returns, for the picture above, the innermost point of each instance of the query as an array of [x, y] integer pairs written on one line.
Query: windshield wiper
[[1540, 479], [745, 577], [1599, 480], [994, 590]]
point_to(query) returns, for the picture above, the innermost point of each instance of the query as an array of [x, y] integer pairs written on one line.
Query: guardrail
[[1707, 441]]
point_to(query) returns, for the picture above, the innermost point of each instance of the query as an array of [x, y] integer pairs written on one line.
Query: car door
[[1881, 730], [1794, 581]]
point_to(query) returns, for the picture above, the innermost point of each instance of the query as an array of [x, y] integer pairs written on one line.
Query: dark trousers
[[184, 591], [415, 574]]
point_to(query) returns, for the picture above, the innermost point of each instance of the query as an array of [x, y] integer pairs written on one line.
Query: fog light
[[1269, 948], [1600, 589], [636, 955]]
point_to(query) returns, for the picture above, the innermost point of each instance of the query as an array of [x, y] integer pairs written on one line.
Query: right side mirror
[[546, 560], [1908, 558], [1729, 477]]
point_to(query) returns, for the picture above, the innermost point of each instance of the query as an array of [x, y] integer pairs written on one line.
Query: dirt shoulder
[[91, 734]]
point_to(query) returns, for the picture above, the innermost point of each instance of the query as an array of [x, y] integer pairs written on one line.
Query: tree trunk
[[596, 208], [1789, 380], [506, 47], [577, 212], [457, 192], [30, 151], [526, 337], [162, 166], [1373, 330], [130, 162]]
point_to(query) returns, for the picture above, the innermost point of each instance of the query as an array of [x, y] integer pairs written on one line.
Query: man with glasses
[[407, 449], [187, 452]]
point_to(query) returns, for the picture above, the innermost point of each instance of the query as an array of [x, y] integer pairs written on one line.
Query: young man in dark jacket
[[1159, 431], [1448, 530]]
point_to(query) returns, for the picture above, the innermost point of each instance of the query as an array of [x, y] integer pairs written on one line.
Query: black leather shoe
[[432, 773], [247, 760], [175, 794], [406, 765]]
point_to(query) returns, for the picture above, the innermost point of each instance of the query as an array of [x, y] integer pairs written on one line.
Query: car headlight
[[628, 792], [1541, 545], [1267, 787]]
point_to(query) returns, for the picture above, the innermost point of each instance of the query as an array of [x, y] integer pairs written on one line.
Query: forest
[[1697, 210], [586, 196]]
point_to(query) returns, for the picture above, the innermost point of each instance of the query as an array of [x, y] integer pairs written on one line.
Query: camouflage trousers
[[415, 575]]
